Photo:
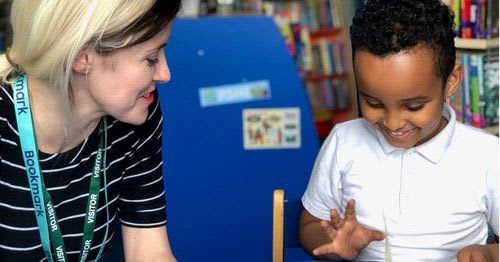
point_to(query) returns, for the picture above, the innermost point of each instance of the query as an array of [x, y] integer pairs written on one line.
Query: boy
[[425, 185]]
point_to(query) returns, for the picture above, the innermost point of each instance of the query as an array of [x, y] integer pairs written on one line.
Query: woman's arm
[[146, 244]]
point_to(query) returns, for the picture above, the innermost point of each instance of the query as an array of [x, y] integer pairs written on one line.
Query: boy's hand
[[347, 236], [478, 253]]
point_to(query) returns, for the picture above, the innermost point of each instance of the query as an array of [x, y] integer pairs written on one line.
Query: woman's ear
[[82, 62], [454, 80]]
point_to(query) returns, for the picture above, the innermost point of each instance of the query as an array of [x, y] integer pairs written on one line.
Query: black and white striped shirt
[[135, 191]]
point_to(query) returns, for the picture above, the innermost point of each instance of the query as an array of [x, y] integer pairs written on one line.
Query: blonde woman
[[80, 128]]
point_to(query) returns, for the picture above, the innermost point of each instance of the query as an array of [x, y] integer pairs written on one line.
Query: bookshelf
[[492, 129], [317, 36], [477, 42]]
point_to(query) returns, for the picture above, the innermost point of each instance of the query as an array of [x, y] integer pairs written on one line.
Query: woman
[[90, 155]]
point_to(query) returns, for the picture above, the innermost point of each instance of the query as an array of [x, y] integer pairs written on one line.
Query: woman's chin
[[136, 119]]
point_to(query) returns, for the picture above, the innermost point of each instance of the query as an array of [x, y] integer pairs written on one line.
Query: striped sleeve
[[142, 194]]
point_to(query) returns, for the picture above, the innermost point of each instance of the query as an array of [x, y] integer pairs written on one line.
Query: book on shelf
[[320, 39], [315, 14], [476, 103], [325, 56], [474, 90], [328, 94], [491, 86], [476, 19]]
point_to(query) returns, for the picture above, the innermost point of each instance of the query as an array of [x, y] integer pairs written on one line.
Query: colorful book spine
[[338, 59], [342, 94], [456, 10], [482, 101], [474, 90], [340, 10], [456, 100], [313, 14], [477, 25], [465, 89], [331, 4], [491, 80], [466, 30], [323, 14], [307, 53], [329, 96], [326, 63], [342, 58], [456, 103], [317, 66], [473, 18], [312, 94], [332, 58], [483, 30]]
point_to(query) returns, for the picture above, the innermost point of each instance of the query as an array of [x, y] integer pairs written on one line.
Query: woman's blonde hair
[[49, 34]]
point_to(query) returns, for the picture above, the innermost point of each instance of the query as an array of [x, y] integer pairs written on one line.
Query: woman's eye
[[152, 61]]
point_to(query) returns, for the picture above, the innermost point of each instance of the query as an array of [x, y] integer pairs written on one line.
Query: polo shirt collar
[[433, 149]]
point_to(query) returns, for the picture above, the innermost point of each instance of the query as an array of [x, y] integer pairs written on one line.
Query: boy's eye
[[374, 104], [152, 61], [415, 107]]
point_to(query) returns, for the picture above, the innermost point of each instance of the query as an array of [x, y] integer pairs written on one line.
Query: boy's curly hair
[[385, 27]]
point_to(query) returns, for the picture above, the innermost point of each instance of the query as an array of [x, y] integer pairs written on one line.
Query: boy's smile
[[402, 95]]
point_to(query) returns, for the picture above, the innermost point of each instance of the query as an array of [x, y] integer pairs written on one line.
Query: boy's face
[[402, 95]]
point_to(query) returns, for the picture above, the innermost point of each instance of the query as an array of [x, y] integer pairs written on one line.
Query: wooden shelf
[[476, 44], [325, 32], [321, 77], [492, 129]]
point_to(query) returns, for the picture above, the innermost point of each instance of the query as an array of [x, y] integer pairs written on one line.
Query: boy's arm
[[478, 253], [338, 238], [312, 236]]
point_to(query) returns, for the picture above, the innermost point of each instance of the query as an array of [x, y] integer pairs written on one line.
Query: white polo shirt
[[435, 198]]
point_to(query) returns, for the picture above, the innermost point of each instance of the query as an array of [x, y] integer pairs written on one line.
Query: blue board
[[219, 196]]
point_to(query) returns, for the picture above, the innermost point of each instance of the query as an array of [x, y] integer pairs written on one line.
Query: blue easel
[[219, 196]]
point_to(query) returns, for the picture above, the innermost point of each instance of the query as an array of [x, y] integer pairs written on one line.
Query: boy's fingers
[[335, 218], [324, 249], [377, 235], [350, 212], [328, 229], [464, 256]]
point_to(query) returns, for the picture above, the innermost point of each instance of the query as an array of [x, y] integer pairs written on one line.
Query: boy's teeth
[[146, 95]]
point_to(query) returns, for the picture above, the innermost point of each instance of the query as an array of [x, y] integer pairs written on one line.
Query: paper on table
[[387, 243]]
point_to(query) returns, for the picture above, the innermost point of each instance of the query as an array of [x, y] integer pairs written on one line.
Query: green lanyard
[[45, 214], [90, 217]]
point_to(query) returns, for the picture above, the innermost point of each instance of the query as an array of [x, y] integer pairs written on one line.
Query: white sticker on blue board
[[271, 128], [235, 93]]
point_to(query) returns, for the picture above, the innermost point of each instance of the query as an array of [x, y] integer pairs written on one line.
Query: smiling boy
[[425, 185]]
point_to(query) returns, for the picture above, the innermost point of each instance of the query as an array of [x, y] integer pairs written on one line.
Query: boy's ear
[[454, 80], [83, 62]]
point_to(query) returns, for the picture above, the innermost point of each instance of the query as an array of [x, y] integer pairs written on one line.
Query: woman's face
[[121, 84]]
